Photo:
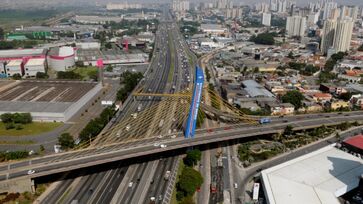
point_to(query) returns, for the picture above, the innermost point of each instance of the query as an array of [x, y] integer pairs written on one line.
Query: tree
[[192, 158], [108, 45], [66, 141], [190, 180], [263, 38], [360, 49], [41, 75], [109, 68], [41, 148], [16, 76], [7, 117], [291, 55], [1, 33], [288, 130], [294, 97]]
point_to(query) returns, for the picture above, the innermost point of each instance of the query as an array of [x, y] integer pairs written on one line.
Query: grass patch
[[180, 170], [33, 128], [87, 72], [17, 142], [172, 56]]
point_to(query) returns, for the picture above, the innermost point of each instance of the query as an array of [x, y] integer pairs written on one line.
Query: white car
[[130, 184], [156, 144], [173, 136], [128, 127], [31, 171], [163, 145]]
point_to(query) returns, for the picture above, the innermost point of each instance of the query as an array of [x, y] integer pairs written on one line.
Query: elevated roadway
[[95, 156]]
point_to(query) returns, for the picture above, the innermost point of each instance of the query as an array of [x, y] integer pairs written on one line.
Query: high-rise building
[[232, 13], [343, 34], [181, 5], [295, 26], [313, 19], [328, 35], [337, 34], [328, 7], [266, 19]]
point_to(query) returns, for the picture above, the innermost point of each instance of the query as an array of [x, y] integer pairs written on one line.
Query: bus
[[256, 189]]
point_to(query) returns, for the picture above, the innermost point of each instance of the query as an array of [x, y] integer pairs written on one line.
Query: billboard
[[194, 106]]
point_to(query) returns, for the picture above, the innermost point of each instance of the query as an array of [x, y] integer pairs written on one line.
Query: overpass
[[12, 173]]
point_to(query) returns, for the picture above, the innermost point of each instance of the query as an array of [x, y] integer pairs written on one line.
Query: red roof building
[[354, 144]]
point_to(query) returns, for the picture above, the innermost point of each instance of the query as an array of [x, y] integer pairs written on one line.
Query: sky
[[305, 2]]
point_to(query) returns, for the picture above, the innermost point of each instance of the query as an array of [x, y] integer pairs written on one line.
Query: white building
[[61, 58], [328, 8], [313, 19], [181, 5], [266, 19], [343, 35], [33, 66], [328, 35], [122, 6], [319, 177], [14, 67], [295, 26], [213, 28]]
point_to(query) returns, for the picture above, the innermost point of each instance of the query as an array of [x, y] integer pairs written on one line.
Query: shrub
[[9, 126]]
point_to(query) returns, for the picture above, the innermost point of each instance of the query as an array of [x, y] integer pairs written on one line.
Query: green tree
[[288, 130], [16, 76], [66, 141], [1, 33], [7, 118], [108, 45], [294, 97], [41, 148], [360, 49], [109, 68], [192, 158], [263, 38], [190, 180], [41, 75]]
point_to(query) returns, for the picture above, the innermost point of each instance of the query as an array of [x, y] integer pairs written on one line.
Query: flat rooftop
[[319, 177], [44, 91]]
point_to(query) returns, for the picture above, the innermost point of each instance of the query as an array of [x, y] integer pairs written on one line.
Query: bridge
[[115, 152]]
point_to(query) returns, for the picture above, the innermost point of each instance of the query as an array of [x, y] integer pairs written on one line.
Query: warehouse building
[[47, 100], [22, 54], [33, 66], [61, 58], [319, 177], [14, 67]]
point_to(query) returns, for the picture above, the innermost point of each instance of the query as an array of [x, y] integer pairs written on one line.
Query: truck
[[167, 175], [265, 120], [213, 187]]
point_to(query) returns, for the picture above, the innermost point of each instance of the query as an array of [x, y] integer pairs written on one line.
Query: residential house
[[322, 97]]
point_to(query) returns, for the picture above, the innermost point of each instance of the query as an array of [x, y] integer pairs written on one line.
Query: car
[[173, 136], [128, 127], [163, 145], [156, 144], [130, 184], [235, 185], [31, 171]]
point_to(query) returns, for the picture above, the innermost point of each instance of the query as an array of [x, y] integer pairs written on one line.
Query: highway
[[111, 153], [144, 180]]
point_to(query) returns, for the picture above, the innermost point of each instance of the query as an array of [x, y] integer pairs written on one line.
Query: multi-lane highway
[[91, 157], [141, 182]]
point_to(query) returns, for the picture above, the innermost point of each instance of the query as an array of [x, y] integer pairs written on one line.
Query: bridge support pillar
[[17, 185]]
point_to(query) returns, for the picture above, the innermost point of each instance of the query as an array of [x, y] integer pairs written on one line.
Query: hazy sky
[[305, 2]]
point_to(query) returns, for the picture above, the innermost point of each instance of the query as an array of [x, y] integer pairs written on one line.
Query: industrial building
[[33, 66], [315, 178], [46, 100], [61, 58], [14, 67], [254, 89], [22, 54]]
